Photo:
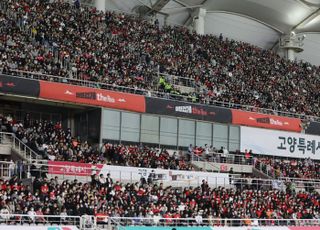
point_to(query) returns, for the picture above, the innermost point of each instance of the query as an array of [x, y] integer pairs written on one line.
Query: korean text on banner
[[135, 173], [91, 96], [71, 168], [188, 110], [265, 121], [280, 143]]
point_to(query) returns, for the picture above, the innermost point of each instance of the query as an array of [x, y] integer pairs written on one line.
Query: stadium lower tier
[[106, 198]]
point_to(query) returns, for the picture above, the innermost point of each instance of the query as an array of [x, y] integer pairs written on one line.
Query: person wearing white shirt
[[32, 214], [12, 167], [4, 213], [156, 219], [199, 219]]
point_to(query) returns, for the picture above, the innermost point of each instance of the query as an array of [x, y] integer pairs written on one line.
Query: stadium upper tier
[[63, 40]]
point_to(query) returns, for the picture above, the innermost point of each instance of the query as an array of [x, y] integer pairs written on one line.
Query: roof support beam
[[159, 5], [181, 3], [306, 20], [189, 20], [301, 24]]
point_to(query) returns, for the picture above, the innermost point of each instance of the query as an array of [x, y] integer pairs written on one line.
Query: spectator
[[198, 202]]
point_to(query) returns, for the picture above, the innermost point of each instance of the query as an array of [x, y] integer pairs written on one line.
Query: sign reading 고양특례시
[[279, 143]]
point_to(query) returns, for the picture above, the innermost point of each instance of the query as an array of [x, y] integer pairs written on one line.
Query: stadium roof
[[260, 22]]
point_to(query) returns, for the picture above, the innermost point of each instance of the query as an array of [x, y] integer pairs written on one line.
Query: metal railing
[[124, 176], [199, 221], [151, 93], [18, 146], [195, 157], [265, 168], [223, 158], [183, 84], [234, 180], [84, 222]]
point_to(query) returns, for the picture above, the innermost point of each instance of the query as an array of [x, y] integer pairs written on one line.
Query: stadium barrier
[[129, 223], [49, 222], [156, 94], [177, 178], [20, 148]]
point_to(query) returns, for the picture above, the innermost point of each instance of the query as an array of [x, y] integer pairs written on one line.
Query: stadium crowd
[[122, 50], [293, 168], [106, 198], [53, 142]]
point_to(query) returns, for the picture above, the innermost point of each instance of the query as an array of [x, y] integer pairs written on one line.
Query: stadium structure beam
[[188, 21], [302, 24], [181, 3], [156, 7], [306, 20], [248, 17]]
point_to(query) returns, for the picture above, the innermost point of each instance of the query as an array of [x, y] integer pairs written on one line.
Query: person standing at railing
[[206, 152], [223, 157], [5, 213], [12, 168], [190, 153], [247, 155], [31, 214]]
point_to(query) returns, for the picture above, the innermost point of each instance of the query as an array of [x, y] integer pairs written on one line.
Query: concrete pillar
[[291, 54], [291, 44], [100, 5], [199, 20]]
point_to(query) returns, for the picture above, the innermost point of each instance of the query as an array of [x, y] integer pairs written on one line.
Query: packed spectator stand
[[105, 198], [55, 143], [123, 50], [306, 168]]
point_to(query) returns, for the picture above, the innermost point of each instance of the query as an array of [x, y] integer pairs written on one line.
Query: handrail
[[215, 157], [214, 221], [33, 154], [237, 181], [199, 158], [264, 168], [158, 94], [85, 222], [22, 148], [123, 174]]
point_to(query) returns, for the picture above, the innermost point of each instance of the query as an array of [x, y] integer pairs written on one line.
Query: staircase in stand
[[10, 141]]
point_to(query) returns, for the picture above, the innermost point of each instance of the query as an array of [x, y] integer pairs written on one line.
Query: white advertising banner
[[134, 174], [279, 143], [192, 178]]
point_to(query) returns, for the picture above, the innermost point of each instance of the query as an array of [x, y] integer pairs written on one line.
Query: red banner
[[265, 121], [72, 168], [91, 96]]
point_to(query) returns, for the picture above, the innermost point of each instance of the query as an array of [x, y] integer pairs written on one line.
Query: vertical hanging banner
[[91, 96], [268, 121], [279, 143]]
